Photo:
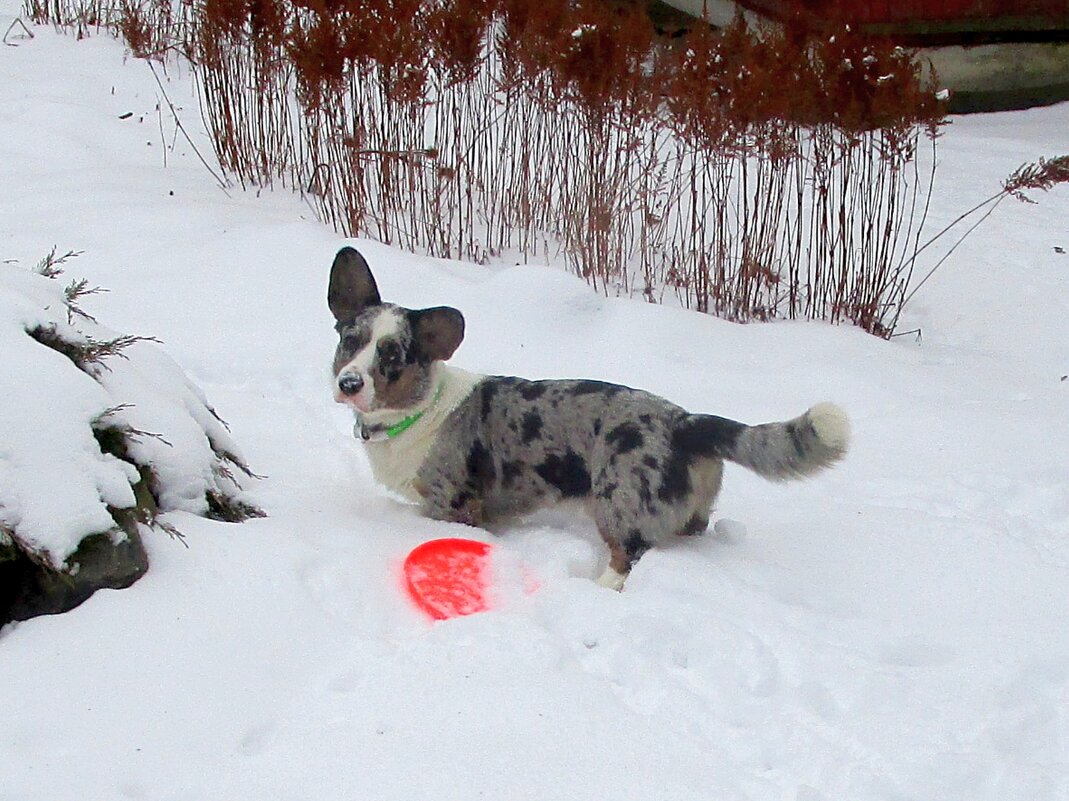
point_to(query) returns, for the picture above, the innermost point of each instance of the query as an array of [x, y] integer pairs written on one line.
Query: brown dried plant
[[752, 174]]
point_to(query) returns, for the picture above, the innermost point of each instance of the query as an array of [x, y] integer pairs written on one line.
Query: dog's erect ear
[[437, 331], [352, 287]]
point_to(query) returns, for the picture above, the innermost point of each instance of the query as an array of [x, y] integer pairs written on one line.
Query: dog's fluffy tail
[[776, 451]]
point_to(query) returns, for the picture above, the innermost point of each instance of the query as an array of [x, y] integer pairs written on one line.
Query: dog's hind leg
[[695, 526], [705, 478]]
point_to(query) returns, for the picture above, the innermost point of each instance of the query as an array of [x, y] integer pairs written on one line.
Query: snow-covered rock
[[99, 432]]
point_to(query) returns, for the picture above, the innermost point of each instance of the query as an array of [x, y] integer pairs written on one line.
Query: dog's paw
[[611, 579]]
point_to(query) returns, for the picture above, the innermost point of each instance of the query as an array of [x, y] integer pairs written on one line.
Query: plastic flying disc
[[449, 577]]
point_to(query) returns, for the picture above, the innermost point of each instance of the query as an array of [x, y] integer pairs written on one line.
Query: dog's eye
[[389, 353]]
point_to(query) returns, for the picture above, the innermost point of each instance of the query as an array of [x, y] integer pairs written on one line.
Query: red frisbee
[[449, 577]]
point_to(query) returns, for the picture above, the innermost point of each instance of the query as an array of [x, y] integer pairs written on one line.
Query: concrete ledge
[[1002, 76]]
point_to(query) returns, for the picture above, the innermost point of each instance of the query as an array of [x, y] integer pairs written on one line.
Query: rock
[[102, 434], [28, 589]]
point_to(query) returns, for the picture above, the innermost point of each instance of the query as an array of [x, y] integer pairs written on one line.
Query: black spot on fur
[[625, 437], [797, 439], [645, 494], [532, 390], [696, 525], [594, 387], [706, 435], [650, 462], [480, 464], [608, 490], [532, 427], [567, 473], [461, 499], [489, 391], [510, 471], [635, 545], [392, 360], [675, 478], [597, 427], [353, 342]]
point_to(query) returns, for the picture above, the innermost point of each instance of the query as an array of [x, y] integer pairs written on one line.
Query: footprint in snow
[[257, 738], [916, 652]]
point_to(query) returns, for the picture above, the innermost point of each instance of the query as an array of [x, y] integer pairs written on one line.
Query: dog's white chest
[[395, 461]]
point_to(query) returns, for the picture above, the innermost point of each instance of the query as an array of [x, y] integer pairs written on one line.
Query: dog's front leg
[[618, 568], [451, 504], [469, 512], [622, 557], [455, 479], [611, 579]]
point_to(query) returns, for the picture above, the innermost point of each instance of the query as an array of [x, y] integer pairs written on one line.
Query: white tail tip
[[831, 424]]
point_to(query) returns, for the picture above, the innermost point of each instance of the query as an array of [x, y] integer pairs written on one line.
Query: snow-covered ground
[[895, 629]]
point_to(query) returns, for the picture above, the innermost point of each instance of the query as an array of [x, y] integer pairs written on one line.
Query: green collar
[[379, 434], [404, 425]]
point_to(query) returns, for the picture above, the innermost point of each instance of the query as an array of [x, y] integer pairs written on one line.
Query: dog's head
[[385, 352]]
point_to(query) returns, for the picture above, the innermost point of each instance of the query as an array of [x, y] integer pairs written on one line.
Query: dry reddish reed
[[753, 175]]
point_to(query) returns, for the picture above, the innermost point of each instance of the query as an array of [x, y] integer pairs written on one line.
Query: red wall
[[876, 11]]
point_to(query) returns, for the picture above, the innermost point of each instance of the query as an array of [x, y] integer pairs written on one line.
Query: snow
[[46, 439], [57, 484], [897, 628]]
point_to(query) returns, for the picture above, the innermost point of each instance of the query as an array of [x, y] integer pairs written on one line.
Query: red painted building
[[933, 21]]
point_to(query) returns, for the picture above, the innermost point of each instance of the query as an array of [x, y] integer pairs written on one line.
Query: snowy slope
[[895, 629]]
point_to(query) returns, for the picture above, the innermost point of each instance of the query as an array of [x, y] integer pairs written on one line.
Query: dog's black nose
[[350, 384]]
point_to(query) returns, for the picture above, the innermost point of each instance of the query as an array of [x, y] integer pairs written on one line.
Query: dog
[[480, 449]]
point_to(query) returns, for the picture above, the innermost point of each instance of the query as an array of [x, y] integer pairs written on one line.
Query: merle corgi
[[478, 449]]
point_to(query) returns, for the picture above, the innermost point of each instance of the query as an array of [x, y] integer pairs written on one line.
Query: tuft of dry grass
[[1043, 175]]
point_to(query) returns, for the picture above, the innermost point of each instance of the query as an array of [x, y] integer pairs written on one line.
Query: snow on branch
[[99, 431]]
